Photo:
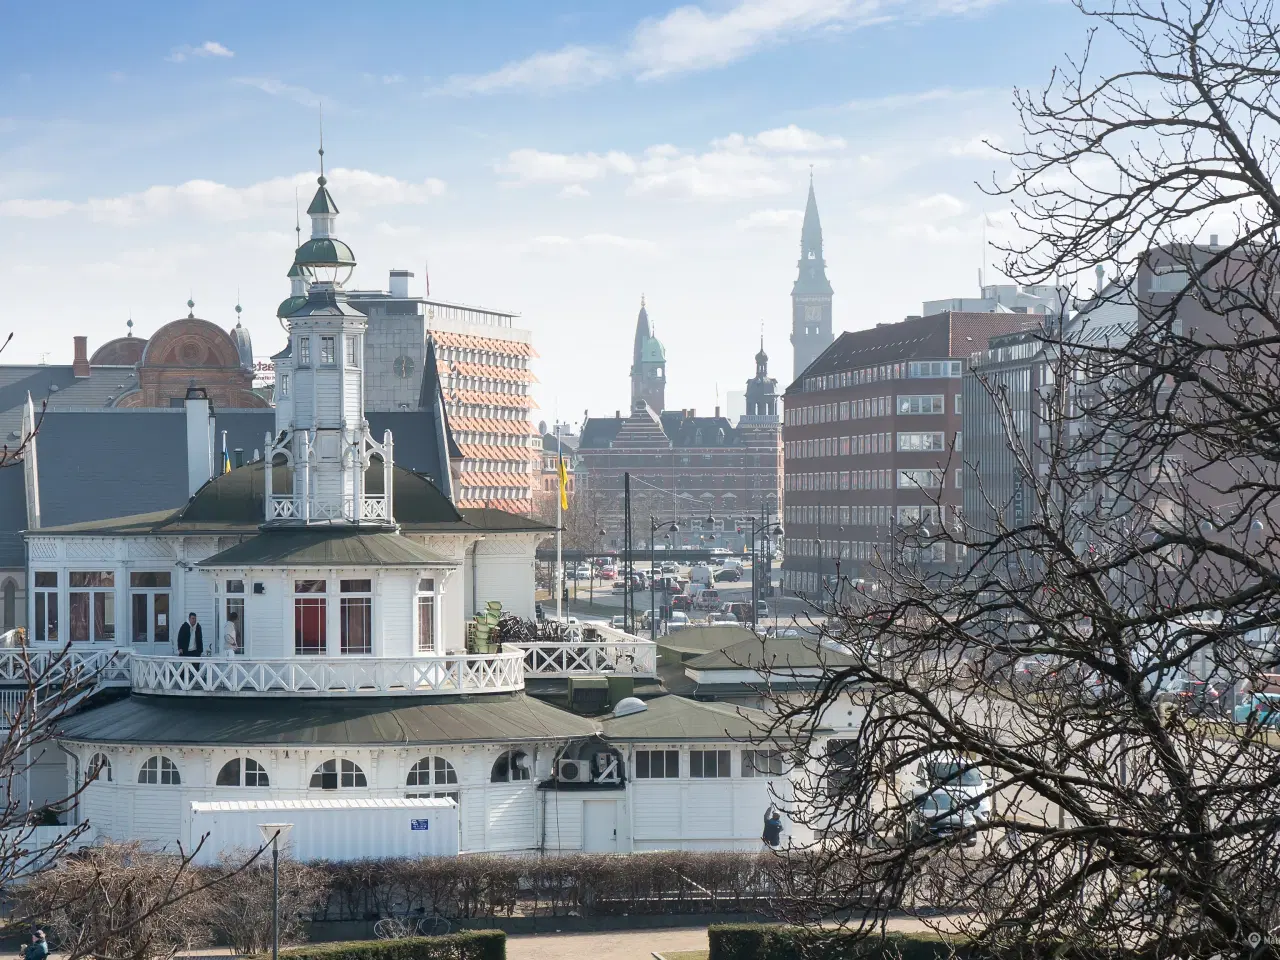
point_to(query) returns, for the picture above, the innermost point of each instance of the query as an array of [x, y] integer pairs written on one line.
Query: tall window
[[284, 385], [353, 356], [657, 764], [245, 772], [333, 774], [46, 590], [93, 606], [234, 608], [149, 606], [304, 351], [159, 770], [356, 616], [326, 350], [426, 615], [309, 613], [709, 763]]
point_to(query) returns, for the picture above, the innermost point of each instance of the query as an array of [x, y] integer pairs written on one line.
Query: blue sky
[[555, 159]]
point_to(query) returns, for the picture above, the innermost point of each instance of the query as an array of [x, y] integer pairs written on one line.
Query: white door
[[600, 826]]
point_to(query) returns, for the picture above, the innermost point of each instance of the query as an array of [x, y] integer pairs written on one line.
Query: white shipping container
[[324, 829]]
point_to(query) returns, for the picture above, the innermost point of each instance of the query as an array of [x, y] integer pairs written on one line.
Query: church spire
[[648, 365], [811, 294]]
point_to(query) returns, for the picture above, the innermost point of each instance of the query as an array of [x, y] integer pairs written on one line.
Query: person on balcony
[[231, 636], [190, 638]]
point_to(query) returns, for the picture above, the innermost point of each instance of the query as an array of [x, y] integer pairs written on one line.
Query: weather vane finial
[[297, 217], [322, 180]]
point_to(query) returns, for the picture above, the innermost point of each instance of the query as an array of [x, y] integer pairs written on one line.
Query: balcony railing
[[329, 676], [104, 667], [287, 507], [586, 658]]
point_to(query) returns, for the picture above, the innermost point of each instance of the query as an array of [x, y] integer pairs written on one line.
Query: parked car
[[762, 609], [728, 575], [1265, 706], [937, 816], [954, 775], [681, 602]]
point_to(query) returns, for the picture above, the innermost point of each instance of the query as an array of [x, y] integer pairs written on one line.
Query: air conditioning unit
[[573, 771]]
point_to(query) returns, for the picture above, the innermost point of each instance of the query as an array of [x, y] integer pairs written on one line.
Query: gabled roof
[[769, 655]]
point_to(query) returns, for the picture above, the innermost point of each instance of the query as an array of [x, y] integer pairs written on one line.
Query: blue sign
[[418, 824]]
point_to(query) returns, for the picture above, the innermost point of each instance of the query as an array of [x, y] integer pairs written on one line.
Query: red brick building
[[872, 444]]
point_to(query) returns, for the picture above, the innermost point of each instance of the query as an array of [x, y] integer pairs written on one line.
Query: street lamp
[[591, 567], [273, 833], [674, 528], [760, 527]]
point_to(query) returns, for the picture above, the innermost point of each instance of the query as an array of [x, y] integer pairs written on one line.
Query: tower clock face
[[403, 366], [812, 313]]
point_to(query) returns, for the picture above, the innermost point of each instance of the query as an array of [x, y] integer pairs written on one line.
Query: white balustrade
[[330, 676], [286, 507], [586, 658], [55, 666]]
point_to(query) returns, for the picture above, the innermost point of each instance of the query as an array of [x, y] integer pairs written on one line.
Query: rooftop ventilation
[[629, 705]]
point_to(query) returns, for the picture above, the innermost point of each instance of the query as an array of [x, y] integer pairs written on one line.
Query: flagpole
[[559, 519]]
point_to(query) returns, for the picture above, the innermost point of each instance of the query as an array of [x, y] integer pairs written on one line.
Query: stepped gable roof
[[324, 721], [686, 430], [672, 719], [318, 548]]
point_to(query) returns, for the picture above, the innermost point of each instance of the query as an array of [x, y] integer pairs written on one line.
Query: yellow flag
[[564, 483]]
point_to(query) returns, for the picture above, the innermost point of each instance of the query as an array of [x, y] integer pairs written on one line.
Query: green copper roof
[[322, 202], [652, 351], [294, 271], [289, 306], [324, 251]]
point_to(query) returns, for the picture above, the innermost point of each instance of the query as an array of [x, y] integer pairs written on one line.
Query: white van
[[700, 573]]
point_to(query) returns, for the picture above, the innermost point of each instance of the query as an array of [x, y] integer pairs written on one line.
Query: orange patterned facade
[[487, 385]]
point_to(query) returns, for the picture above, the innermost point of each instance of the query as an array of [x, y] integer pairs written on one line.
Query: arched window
[[511, 766], [159, 770], [99, 769], [431, 772], [242, 773], [333, 774]]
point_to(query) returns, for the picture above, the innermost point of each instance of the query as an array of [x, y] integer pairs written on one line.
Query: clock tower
[[811, 294], [648, 366]]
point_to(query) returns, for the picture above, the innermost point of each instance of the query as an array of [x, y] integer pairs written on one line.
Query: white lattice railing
[[331, 676], [287, 508], [584, 658], [105, 667]]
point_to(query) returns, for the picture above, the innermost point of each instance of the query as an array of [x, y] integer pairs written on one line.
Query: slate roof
[[13, 516], [305, 548], [673, 719], [85, 393], [682, 429], [349, 721]]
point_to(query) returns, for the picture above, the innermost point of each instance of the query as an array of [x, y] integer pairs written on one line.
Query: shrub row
[[486, 886], [472, 945], [753, 941]]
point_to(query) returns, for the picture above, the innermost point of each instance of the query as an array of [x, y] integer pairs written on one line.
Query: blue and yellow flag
[[564, 482]]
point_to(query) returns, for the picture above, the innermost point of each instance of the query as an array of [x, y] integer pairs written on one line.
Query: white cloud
[[552, 244], [276, 88], [535, 166], [691, 38], [771, 220], [573, 191], [210, 200], [210, 48], [898, 101], [735, 167], [983, 146]]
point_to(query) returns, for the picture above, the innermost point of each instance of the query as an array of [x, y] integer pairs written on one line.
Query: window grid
[[327, 352], [657, 764], [356, 617], [335, 774], [707, 764], [159, 770]]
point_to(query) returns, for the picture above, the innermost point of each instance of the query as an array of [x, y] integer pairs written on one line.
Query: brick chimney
[[80, 363]]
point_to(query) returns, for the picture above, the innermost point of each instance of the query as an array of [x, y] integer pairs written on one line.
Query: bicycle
[[400, 928]]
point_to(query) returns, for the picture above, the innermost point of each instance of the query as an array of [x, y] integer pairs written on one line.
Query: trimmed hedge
[[758, 941], [469, 945]]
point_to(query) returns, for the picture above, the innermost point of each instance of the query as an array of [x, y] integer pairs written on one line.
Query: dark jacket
[[185, 646], [36, 951]]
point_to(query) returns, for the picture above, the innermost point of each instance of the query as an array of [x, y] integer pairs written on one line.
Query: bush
[[239, 912], [755, 941], [471, 945]]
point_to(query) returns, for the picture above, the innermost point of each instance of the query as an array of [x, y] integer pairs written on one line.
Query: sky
[[558, 160]]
